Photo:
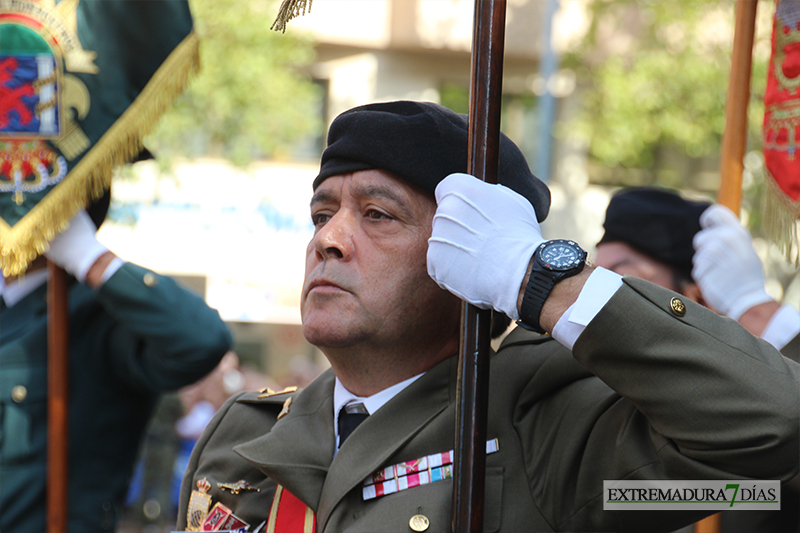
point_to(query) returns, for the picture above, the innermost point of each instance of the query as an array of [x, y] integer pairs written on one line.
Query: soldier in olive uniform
[[634, 381], [699, 250], [651, 233], [132, 335]]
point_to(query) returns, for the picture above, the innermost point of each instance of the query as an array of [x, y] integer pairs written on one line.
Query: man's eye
[[320, 218], [377, 215]]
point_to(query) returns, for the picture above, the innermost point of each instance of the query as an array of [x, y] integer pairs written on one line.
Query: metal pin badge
[[237, 487]]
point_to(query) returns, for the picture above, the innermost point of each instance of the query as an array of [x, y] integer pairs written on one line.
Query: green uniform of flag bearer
[[136, 336]]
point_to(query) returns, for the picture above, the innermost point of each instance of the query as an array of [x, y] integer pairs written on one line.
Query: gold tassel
[[781, 220], [30, 237], [290, 9]]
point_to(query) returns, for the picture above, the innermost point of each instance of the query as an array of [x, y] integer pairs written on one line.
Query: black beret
[[422, 143], [657, 222]]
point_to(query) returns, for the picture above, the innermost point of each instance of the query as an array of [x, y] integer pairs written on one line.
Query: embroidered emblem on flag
[[18, 94], [409, 474]]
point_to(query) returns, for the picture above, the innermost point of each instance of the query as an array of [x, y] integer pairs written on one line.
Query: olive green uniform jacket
[[645, 394], [138, 335]]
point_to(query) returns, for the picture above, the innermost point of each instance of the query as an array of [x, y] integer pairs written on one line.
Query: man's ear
[[692, 291]]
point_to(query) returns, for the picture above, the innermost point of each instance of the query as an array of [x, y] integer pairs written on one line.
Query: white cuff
[[80, 263], [748, 302], [782, 327], [596, 292], [111, 269]]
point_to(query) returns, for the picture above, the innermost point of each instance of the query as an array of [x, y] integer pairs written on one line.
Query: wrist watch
[[553, 261]]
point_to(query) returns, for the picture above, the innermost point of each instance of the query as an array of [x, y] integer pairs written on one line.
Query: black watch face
[[560, 255]]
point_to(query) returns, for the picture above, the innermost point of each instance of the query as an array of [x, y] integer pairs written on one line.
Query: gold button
[[419, 522], [19, 393], [150, 279], [677, 306]]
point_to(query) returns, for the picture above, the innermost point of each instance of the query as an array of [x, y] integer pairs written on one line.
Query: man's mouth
[[324, 286]]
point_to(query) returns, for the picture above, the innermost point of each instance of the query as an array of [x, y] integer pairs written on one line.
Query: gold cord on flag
[[780, 219]]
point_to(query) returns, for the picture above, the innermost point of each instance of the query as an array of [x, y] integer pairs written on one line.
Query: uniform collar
[[342, 396], [297, 452]]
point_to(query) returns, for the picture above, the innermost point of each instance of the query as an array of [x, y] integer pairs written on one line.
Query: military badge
[[285, 409], [237, 487], [268, 393], [72, 107], [199, 502], [221, 518], [409, 474]]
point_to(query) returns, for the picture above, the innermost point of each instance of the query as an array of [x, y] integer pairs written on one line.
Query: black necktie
[[348, 421]]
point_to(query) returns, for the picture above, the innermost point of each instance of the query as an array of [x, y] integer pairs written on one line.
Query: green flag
[[81, 83]]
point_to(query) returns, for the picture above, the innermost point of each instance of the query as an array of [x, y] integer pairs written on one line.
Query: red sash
[[290, 515]]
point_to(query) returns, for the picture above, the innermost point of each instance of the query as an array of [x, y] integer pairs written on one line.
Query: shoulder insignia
[[285, 410], [268, 393]]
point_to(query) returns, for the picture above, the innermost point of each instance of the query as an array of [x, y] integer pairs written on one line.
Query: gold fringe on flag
[[781, 219], [290, 9], [30, 237]]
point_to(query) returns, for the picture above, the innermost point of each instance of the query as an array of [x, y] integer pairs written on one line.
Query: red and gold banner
[[782, 127]]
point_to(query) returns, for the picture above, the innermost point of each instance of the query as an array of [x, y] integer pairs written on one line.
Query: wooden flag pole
[[57, 398], [472, 397], [734, 141]]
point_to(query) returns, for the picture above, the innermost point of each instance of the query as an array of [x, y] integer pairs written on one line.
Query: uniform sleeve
[[163, 336], [721, 395], [682, 394]]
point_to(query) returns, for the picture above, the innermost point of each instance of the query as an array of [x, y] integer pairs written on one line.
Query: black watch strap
[[536, 292]]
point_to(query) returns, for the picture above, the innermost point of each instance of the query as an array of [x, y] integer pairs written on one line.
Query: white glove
[[76, 249], [726, 266], [482, 240]]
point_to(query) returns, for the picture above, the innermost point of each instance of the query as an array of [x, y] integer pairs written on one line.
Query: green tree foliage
[[658, 74], [251, 98]]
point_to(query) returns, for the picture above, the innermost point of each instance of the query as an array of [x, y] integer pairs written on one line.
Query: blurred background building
[[598, 94]]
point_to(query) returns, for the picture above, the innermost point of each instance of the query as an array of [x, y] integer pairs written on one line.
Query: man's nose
[[334, 240]]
